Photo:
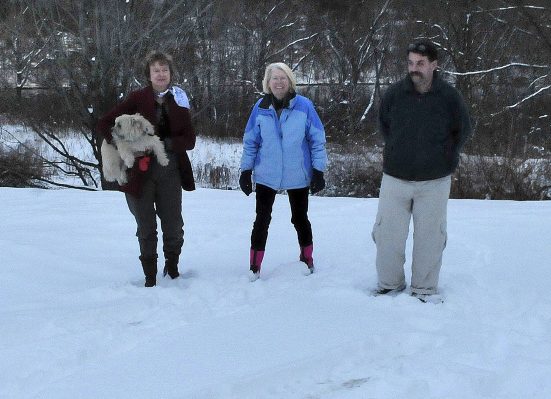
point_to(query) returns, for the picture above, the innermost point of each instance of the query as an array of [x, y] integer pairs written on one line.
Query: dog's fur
[[133, 135]]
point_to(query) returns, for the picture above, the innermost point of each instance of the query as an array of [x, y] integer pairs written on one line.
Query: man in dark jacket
[[425, 123]]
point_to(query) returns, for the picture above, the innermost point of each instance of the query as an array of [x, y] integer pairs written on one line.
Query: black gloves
[[318, 182], [245, 182]]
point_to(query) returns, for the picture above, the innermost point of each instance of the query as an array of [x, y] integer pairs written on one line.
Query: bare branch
[[292, 44], [512, 64], [529, 97]]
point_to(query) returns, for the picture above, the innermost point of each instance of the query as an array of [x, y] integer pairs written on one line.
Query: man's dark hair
[[424, 47], [161, 58]]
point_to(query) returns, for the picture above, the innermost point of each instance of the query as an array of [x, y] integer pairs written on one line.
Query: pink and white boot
[[306, 257], [256, 257]]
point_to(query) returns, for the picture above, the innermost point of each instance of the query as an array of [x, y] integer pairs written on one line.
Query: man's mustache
[[416, 73]]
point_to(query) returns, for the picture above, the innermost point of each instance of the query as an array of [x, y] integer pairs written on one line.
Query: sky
[[76, 321]]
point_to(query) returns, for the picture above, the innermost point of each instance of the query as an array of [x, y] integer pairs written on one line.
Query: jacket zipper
[[280, 132]]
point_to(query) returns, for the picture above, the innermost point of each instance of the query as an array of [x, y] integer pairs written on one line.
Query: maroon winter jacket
[[182, 134]]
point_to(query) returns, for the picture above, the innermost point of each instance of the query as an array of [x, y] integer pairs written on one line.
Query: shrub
[[21, 167]]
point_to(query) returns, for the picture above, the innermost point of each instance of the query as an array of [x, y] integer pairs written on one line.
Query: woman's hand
[[143, 162], [245, 182], [318, 182]]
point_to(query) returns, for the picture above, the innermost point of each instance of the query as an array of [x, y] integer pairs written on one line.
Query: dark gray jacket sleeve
[[384, 114], [462, 128]]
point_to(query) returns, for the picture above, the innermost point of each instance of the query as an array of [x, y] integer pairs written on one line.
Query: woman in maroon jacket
[[153, 190]]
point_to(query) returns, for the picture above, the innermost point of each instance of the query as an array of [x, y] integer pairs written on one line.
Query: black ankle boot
[[149, 266], [171, 267], [150, 281]]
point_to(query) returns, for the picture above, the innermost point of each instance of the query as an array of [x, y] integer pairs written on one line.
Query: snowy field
[[75, 321]]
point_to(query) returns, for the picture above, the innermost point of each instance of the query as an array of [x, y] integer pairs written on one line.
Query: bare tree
[[355, 39], [496, 52], [23, 46], [236, 42], [93, 51]]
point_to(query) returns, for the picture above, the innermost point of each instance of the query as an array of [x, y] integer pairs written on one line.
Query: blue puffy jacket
[[282, 151]]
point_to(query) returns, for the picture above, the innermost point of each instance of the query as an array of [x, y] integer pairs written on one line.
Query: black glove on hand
[[245, 182], [318, 182]]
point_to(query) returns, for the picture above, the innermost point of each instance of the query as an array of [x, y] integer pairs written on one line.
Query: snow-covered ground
[[75, 321]]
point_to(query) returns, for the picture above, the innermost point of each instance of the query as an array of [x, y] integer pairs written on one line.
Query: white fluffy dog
[[133, 135]]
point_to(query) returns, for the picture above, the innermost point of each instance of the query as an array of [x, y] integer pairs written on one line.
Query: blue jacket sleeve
[[251, 141], [315, 134]]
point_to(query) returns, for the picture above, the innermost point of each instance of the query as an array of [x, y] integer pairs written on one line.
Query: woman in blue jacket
[[283, 149]]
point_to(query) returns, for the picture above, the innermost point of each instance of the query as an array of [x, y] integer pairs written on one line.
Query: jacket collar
[[268, 101], [436, 83]]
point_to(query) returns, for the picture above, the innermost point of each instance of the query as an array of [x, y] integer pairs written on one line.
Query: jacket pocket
[[444, 232], [376, 227]]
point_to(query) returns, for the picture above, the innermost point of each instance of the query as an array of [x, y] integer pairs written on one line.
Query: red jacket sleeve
[[105, 124]]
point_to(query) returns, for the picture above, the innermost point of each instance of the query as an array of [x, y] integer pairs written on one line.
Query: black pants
[[298, 199], [161, 196]]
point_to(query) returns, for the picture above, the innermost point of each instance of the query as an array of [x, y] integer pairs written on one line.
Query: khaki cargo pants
[[426, 202]]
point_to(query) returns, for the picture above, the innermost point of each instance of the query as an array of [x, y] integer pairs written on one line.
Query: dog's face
[[131, 128]]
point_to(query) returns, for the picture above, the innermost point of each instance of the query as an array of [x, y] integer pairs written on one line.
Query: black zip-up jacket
[[423, 133]]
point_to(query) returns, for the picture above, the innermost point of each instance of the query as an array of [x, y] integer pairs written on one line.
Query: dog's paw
[[109, 178], [160, 153], [162, 159], [129, 161], [122, 179], [110, 172]]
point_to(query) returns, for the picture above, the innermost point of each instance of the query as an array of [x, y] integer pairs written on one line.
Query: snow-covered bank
[[354, 169], [75, 321]]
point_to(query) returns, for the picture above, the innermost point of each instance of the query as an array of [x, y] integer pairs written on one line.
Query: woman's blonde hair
[[286, 70]]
